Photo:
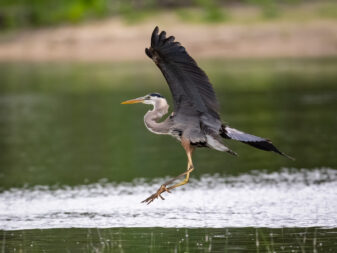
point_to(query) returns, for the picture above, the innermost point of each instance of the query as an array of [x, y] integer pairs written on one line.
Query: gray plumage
[[195, 119], [195, 115]]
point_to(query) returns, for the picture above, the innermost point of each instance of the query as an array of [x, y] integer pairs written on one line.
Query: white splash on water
[[290, 198]]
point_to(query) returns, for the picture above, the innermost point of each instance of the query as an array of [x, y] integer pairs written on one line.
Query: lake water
[[75, 164]]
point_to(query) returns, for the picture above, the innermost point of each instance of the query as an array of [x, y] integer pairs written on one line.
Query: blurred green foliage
[[34, 13], [48, 12]]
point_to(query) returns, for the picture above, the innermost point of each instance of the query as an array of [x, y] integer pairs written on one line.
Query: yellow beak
[[133, 101]]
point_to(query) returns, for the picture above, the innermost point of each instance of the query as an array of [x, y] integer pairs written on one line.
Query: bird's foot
[[157, 194]]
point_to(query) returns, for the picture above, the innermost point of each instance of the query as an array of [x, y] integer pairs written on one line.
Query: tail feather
[[252, 140], [216, 144]]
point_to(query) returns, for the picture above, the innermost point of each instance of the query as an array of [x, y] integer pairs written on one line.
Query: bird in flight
[[195, 120]]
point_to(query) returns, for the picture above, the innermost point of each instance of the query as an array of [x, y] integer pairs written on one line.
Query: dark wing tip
[[252, 140], [267, 146], [170, 39], [183, 75], [158, 40], [162, 36], [288, 156], [159, 44], [148, 52], [155, 37]]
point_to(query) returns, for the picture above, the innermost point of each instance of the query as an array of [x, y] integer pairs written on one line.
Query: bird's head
[[154, 99]]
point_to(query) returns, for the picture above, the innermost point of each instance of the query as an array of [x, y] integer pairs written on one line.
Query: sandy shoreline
[[113, 40]]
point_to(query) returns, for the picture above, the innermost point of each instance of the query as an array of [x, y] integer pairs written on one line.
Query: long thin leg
[[190, 168]]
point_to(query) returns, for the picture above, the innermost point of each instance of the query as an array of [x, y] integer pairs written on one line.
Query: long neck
[[151, 118]]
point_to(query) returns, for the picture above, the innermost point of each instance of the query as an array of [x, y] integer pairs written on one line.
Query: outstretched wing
[[255, 141], [191, 90]]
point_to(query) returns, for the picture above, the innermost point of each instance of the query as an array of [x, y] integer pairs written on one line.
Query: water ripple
[[289, 198]]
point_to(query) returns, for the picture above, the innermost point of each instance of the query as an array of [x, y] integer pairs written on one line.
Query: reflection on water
[[171, 240], [292, 198]]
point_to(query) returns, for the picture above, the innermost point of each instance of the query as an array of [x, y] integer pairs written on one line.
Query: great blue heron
[[195, 121]]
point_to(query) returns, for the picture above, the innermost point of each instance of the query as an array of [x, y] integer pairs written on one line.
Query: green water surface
[[171, 240], [62, 124]]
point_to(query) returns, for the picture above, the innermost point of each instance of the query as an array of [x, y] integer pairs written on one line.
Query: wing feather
[[252, 140], [190, 87]]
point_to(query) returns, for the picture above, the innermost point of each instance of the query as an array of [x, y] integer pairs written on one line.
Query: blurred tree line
[[33, 13]]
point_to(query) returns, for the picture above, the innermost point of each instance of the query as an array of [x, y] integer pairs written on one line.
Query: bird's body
[[195, 120], [181, 126]]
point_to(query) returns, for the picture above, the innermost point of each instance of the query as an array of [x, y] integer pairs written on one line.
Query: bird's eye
[[148, 97]]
